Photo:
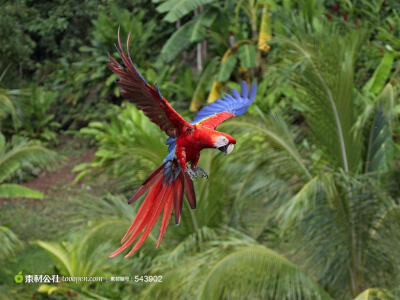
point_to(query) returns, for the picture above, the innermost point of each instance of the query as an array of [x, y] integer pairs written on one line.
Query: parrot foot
[[200, 171], [192, 174]]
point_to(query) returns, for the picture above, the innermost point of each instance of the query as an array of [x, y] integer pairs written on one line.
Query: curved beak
[[227, 149]]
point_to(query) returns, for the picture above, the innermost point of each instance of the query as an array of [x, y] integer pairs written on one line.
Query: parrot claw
[[201, 171], [192, 174]]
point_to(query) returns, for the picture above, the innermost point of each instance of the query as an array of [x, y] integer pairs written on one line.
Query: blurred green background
[[306, 207]]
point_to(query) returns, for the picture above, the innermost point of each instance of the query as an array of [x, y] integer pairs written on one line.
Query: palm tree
[[337, 205]]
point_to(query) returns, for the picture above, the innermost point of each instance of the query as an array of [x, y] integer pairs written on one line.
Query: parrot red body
[[167, 185]]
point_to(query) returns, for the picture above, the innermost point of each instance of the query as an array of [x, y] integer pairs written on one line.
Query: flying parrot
[[166, 185]]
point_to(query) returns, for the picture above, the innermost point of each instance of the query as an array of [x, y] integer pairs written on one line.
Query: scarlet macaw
[[173, 179]]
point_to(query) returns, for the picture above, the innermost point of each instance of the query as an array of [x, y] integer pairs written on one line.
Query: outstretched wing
[[146, 97], [228, 107]]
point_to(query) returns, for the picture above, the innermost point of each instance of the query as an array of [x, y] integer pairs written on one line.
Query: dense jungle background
[[306, 207]]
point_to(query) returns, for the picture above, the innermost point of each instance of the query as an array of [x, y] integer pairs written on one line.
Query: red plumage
[[160, 197]]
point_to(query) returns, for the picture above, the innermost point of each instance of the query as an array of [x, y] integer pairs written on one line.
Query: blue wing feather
[[235, 103]]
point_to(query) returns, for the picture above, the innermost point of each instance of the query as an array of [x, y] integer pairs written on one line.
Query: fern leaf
[[30, 153]]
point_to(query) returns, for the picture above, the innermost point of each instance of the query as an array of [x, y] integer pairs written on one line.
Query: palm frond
[[380, 148], [258, 273], [326, 76], [304, 201]]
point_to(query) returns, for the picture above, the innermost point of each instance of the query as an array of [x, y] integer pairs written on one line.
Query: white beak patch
[[230, 148]]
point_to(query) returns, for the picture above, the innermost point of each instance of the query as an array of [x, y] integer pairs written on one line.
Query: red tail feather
[[144, 209], [167, 211], [178, 199], [189, 191], [161, 196], [147, 183]]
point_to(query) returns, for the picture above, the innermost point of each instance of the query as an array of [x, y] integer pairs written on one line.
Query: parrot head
[[224, 142]]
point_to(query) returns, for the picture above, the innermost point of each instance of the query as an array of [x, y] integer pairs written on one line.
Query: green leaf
[[179, 41], [247, 56], [8, 190], [178, 8], [381, 74], [227, 68], [191, 32]]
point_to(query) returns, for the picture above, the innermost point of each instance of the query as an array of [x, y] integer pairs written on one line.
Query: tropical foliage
[[17, 155], [306, 207]]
